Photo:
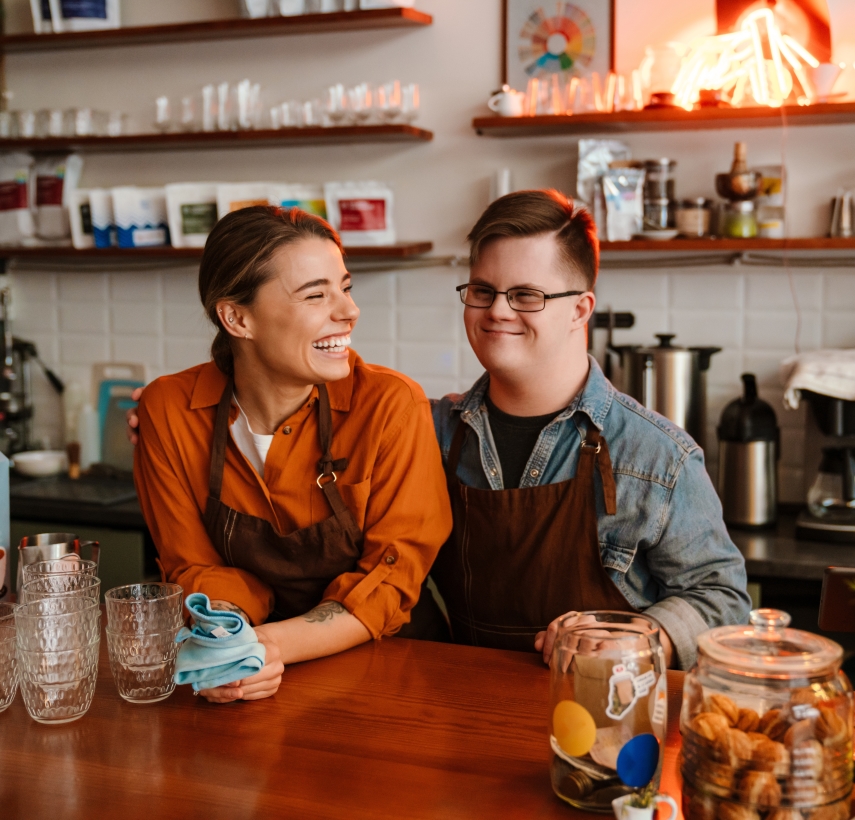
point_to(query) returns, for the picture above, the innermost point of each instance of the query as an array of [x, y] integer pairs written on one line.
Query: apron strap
[[328, 467], [221, 436], [455, 449], [594, 447]]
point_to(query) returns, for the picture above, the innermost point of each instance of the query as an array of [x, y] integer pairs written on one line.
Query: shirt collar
[[211, 382], [594, 400]]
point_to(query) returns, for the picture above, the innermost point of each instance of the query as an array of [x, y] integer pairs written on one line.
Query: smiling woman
[[287, 479]]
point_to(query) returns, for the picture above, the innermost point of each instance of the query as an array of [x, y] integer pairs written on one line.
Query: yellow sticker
[[574, 728]]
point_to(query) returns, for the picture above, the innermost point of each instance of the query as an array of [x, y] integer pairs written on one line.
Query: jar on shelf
[[767, 725], [608, 709], [693, 217], [740, 220]]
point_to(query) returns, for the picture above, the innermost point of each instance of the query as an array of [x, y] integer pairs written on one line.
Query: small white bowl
[[40, 462]]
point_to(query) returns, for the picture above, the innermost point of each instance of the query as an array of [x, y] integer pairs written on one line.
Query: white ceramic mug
[[507, 102], [623, 811]]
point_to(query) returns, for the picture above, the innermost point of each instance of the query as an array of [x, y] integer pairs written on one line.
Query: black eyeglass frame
[[506, 293]]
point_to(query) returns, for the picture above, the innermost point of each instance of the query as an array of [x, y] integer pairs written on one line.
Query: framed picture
[[542, 37]]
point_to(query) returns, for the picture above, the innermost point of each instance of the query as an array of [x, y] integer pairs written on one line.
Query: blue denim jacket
[[667, 548]]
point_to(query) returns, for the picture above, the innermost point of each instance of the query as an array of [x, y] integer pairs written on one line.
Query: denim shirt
[[666, 548]]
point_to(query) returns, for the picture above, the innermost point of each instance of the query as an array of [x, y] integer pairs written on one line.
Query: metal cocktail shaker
[[748, 452]]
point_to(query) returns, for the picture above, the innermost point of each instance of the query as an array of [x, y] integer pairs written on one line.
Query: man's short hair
[[530, 213]]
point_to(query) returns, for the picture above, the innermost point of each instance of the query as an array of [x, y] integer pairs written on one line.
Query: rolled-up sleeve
[[186, 554], [700, 571], [407, 520]]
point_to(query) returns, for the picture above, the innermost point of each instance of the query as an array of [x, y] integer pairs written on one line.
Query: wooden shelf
[[714, 245], [182, 140], [401, 250], [218, 30], [666, 119]]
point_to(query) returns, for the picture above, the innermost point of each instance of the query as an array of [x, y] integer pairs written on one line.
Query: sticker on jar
[[625, 689]]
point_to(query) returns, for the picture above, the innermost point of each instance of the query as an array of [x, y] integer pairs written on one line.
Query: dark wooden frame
[[504, 54]]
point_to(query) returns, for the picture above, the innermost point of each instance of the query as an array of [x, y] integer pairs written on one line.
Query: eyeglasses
[[523, 300]]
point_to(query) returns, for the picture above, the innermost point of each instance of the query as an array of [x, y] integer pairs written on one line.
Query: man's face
[[512, 343]]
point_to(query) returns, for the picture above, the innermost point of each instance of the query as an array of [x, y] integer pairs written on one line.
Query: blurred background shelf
[[666, 119], [219, 30], [181, 140], [714, 245]]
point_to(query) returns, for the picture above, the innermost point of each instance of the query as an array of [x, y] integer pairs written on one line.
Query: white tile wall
[[411, 321]]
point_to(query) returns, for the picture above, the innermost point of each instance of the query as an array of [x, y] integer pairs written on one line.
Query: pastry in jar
[[836, 811], [734, 748], [770, 756], [830, 729], [709, 725], [723, 705], [734, 811], [760, 789], [808, 760], [748, 720], [785, 814], [774, 724]]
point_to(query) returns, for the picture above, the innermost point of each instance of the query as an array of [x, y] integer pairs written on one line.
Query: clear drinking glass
[[57, 649], [388, 101], [25, 122], [61, 585], [70, 564], [361, 99], [337, 104], [162, 114], [410, 102], [142, 622], [8, 656], [608, 708]]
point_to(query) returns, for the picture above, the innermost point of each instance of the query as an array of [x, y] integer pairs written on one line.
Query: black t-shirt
[[515, 437]]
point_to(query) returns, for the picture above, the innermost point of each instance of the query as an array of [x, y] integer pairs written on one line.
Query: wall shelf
[[219, 30], [666, 119], [182, 140], [715, 245], [119, 256]]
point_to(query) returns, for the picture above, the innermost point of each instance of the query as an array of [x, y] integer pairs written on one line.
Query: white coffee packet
[[233, 196], [309, 198], [41, 16], [56, 179], [16, 183], [361, 212], [80, 215], [84, 15], [140, 214], [103, 220], [192, 211]]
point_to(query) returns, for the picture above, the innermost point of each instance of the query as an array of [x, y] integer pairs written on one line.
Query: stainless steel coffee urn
[[748, 451], [670, 380]]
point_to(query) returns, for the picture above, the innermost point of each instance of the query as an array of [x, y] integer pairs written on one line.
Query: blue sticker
[[637, 761]]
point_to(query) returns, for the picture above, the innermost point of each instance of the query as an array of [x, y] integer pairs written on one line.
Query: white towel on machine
[[830, 372]]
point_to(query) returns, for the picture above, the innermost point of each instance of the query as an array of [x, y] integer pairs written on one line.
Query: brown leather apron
[[517, 559], [298, 566]]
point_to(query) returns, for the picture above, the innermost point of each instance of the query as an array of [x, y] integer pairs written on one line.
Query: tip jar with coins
[[608, 713], [767, 725]]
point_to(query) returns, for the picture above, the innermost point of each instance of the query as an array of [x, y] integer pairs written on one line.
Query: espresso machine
[[16, 389], [829, 470]]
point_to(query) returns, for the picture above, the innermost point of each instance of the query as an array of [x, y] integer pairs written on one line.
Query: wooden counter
[[391, 729]]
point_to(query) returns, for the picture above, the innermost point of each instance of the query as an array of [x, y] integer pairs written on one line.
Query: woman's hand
[[263, 684], [133, 419], [545, 641]]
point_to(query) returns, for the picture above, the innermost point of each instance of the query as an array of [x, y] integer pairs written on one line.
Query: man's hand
[[263, 684], [133, 419]]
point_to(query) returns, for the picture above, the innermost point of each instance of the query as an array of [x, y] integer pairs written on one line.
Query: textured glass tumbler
[[61, 585], [70, 564], [57, 650], [141, 609], [8, 656], [143, 666]]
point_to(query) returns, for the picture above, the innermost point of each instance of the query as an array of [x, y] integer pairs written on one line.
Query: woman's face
[[300, 322]]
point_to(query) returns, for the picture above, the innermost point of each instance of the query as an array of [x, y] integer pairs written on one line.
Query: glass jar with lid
[[767, 725], [608, 709]]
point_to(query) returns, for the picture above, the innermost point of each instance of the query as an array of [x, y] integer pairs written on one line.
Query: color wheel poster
[[547, 37]]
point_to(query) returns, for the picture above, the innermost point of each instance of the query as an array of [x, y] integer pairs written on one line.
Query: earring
[[231, 318]]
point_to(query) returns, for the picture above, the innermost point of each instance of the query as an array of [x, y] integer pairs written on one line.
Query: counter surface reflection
[[395, 728]]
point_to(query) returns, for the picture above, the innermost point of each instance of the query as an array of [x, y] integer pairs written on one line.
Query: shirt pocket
[[354, 496], [616, 558]]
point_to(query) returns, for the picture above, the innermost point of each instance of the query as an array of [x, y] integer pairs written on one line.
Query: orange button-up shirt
[[394, 486]]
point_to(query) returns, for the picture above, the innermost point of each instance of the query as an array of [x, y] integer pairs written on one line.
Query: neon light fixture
[[758, 62]]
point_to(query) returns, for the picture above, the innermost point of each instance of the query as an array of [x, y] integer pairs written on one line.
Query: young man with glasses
[[567, 495]]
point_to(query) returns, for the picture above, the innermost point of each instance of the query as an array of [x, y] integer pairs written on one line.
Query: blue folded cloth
[[220, 647]]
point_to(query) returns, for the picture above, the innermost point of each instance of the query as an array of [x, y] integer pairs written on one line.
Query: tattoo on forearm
[[324, 612], [227, 606]]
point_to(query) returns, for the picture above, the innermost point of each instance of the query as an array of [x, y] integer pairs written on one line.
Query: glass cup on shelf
[[116, 123], [337, 104], [388, 102], [50, 122], [410, 102], [7, 125], [57, 649], [361, 103], [142, 622], [71, 564], [8, 656], [311, 113], [246, 97], [61, 585], [209, 108], [25, 124], [224, 108], [162, 114], [188, 114]]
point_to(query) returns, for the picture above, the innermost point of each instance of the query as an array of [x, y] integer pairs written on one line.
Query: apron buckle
[[595, 447], [334, 479]]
